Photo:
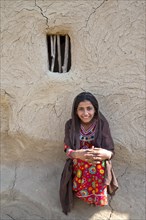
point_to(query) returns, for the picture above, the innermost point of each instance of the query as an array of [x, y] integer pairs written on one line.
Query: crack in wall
[[25, 9], [111, 197], [125, 171], [10, 216], [38, 216], [41, 217], [13, 183], [7, 94], [42, 12], [58, 115], [93, 12], [112, 209]]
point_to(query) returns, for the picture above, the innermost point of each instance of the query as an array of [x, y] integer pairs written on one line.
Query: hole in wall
[[59, 53]]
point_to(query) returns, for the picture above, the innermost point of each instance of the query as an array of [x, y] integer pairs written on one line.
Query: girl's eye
[[80, 109], [89, 108]]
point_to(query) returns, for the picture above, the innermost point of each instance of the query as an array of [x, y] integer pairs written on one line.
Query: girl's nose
[[85, 112]]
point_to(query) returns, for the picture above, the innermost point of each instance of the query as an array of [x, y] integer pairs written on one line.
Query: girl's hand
[[101, 154], [83, 154], [93, 155]]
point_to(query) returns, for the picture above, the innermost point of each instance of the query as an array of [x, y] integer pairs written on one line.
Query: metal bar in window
[[59, 52], [53, 51], [64, 67]]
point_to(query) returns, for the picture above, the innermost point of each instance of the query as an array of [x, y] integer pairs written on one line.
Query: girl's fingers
[[97, 162], [97, 158]]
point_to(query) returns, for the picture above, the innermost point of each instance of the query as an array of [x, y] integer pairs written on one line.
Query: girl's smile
[[85, 111]]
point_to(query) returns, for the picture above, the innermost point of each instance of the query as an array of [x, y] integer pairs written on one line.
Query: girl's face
[[85, 111]]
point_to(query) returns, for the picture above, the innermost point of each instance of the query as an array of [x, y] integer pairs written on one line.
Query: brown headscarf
[[102, 139]]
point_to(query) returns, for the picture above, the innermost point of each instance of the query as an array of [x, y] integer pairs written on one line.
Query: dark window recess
[[59, 53]]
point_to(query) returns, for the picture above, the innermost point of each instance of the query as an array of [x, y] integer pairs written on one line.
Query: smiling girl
[[89, 147]]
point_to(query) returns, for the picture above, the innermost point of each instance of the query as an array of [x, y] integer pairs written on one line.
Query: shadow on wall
[[20, 206], [31, 170]]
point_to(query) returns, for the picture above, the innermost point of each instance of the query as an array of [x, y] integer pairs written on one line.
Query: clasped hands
[[93, 155]]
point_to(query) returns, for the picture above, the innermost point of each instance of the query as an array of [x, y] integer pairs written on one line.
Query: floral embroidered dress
[[88, 180]]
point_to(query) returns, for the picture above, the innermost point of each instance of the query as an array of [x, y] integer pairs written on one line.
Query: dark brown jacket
[[102, 139]]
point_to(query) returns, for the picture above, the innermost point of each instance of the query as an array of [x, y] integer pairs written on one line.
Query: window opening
[[59, 53]]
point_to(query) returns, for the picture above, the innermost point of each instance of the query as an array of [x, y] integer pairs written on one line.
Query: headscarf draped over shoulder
[[102, 139]]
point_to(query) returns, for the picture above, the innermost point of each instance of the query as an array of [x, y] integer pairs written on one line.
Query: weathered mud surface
[[30, 175]]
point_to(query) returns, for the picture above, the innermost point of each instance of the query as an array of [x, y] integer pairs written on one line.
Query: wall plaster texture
[[108, 59]]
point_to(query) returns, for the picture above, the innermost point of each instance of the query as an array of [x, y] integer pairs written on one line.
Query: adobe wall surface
[[108, 58]]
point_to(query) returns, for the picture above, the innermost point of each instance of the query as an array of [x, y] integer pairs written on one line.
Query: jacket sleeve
[[108, 144], [65, 191], [67, 133], [110, 178], [106, 139]]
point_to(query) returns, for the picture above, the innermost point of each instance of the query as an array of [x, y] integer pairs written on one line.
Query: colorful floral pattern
[[88, 180]]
